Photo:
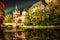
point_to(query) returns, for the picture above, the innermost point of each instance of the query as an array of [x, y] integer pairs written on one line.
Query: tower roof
[[16, 11], [16, 8]]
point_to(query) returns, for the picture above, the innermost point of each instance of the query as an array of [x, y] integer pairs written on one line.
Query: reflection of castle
[[17, 17]]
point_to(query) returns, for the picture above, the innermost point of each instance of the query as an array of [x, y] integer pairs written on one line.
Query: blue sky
[[10, 4]]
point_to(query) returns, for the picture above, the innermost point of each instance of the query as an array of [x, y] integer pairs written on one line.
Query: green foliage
[[43, 34], [54, 14], [8, 36], [49, 15], [8, 18], [35, 18], [34, 5], [55, 2]]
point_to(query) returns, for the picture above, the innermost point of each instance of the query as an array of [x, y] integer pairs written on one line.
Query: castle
[[18, 17]]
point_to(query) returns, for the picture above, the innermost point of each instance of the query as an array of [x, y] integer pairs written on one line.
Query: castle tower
[[16, 13], [24, 12]]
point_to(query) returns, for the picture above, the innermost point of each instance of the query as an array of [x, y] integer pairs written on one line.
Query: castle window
[[19, 21]]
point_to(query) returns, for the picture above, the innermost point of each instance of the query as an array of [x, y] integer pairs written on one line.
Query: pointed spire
[[16, 7]]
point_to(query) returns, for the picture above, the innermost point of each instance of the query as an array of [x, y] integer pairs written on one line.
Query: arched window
[[19, 21]]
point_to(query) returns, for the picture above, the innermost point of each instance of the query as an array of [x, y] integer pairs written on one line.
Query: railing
[[37, 27]]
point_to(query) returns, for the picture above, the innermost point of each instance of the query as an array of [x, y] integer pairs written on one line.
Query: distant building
[[17, 17]]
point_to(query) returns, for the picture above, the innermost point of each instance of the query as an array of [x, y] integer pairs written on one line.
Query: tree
[[49, 12], [54, 12], [2, 6], [55, 2], [35, 15], [49, 15], [8, 18]]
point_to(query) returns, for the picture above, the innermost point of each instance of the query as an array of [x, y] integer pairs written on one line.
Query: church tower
[[16, 13]]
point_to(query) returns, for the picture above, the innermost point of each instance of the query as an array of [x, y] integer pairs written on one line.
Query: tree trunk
[[2, 6]]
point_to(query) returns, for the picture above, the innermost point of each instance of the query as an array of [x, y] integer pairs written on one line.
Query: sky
[[10, 4]]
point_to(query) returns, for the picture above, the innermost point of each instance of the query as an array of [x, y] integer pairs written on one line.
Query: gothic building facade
[[18, 17]]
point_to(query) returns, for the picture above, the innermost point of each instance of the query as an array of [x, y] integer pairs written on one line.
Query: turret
[[24, 12], [16, 7], [16, 11]]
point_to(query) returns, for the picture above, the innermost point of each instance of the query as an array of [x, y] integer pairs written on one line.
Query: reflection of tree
[[43, 34], [21, 36]]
